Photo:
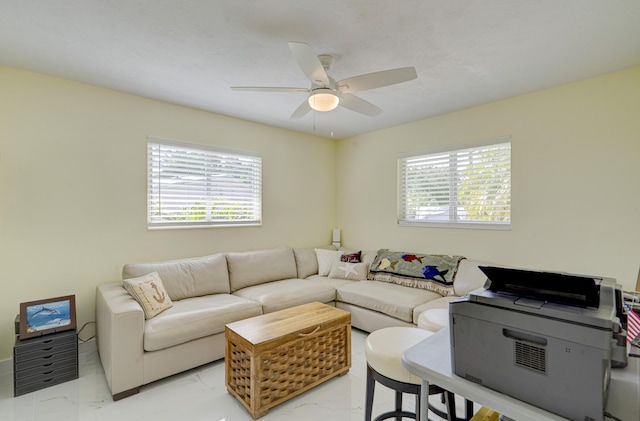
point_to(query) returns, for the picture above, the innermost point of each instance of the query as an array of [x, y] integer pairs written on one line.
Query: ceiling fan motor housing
[[323, 99]]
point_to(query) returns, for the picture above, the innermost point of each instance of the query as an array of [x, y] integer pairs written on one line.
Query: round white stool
[[383, 350], [434, 319]]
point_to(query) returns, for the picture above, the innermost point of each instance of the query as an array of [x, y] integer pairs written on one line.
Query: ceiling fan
[[325, 94]]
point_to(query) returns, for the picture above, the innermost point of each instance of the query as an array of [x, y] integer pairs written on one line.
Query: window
[[464, 186], [202, 186]]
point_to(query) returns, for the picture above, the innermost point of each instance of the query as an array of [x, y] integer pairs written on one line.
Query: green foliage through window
[[469, 185]]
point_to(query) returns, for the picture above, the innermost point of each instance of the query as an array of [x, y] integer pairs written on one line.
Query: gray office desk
[[431, 361]]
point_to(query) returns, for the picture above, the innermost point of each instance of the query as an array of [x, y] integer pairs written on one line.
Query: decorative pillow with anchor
[[149, 292]]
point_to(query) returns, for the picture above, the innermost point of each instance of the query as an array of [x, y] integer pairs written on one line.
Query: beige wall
[[73, 189], [575, 180], [73, 185]]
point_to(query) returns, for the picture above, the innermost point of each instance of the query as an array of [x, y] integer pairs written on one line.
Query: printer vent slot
[[473, 378], [531, 356]]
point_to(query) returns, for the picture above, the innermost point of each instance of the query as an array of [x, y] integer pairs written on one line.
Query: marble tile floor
[[197, 394]]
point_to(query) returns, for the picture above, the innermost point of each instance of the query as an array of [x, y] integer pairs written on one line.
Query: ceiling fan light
[[323, 100]]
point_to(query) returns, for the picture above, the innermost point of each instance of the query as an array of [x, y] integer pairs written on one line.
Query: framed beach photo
[[46, 316]]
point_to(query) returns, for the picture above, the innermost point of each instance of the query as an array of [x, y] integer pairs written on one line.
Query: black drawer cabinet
[[44, 361]]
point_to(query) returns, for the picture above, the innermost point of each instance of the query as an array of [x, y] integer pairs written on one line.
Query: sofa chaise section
[[393, 300], [375, 305]]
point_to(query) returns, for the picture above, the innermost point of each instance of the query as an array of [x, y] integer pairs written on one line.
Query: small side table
[[44, 361]]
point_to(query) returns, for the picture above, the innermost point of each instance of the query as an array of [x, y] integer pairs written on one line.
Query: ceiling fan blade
[[309, 63], [267, 89], [359, 105], [377, 79], [301, 111]]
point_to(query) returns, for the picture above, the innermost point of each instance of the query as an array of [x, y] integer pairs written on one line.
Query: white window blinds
[[464, 186], [198, 186]]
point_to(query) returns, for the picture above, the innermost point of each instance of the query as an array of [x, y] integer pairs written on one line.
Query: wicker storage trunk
[[274, 357]]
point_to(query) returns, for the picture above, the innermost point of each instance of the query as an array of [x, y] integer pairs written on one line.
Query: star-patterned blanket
[[434, 272]]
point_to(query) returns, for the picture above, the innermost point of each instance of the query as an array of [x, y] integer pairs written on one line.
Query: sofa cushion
[[149, 292], [257, 267], [352, 271], [306, 262], [334, 282], [391, 299], [186, 278], [326, 258], [288, 293], [195, 318]]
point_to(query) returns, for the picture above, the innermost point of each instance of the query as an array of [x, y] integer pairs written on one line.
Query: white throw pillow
[[326, 258], [353, 271]]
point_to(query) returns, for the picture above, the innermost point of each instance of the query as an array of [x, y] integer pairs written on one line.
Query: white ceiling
[[190, 52]]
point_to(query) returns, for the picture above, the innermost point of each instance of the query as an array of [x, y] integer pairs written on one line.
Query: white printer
[[545, 338]]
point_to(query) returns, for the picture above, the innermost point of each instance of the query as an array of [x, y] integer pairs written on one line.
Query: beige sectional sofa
[[209, 292]]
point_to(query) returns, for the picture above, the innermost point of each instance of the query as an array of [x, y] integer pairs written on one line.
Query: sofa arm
[[120, 335]]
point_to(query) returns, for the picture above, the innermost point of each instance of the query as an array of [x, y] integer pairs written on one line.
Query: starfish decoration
[[349, 268]]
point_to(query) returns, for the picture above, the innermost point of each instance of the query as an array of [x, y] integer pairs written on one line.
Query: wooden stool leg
[[371, 387]]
